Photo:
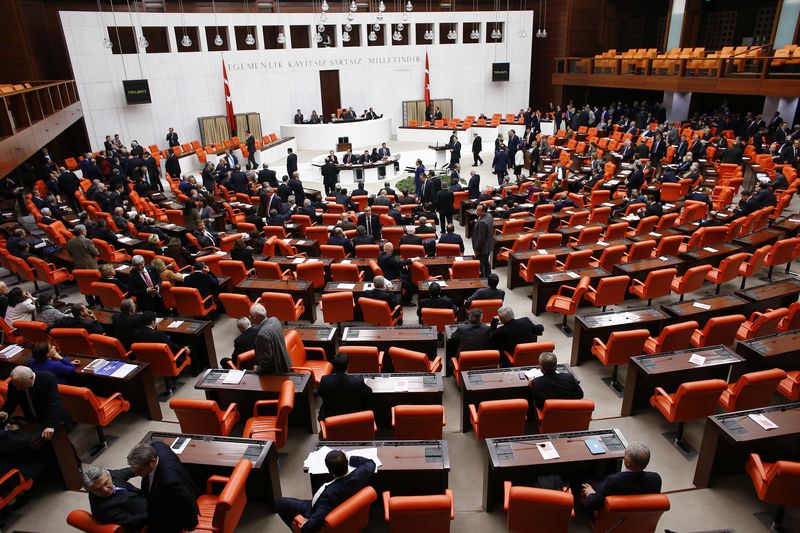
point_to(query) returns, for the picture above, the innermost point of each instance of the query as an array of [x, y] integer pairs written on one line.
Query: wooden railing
[[22, 105]]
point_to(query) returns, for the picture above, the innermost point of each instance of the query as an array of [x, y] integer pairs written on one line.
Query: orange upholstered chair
[[488, 308], [621, 346], [189, 302], [267, 270], [204, 417], [498, 418], [775, 483], [691, 280], [476, 359], [48, 273], [658, 283], [639, 250], [72, 340], [432, 513], [298, 352], [557, 416], [548, 240], [630, 514], [668, 245], [83, 520], [611, 256], [718, 330], [346, 273], [378, 312], [9, 334], [337, 307], [728, 270], [363, 359], [574, 260], [527, 354], [790, 321], [32, 331], [671, 338], [761, 324], [753, 263], [282, 306], [236, 270], [465, 269], [789, 387], [751, 390], [108, 347], [420, 272], [348, 517], [162, 361], [610, 291], [313, 272], [694, 400], [418, 422], [108, 254], [615, 231], [566, 302], [84, 407], [550, 510], [110, 295], [410, 361], [349, 427], [448, 250], [222, 505], [780, 254], [84, 278], [273, 427], [536, 265], [437, 317], [236, 305]]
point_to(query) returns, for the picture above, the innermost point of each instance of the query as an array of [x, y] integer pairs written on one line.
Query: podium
[[441, 152]]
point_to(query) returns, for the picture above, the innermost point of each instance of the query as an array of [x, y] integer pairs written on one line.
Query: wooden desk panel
[[780, 350], [317, 336], [709, 255], [641, 268], [721, 304], [402, 388], [789, 224], [546, 284], [507, 241], [771, 295], [752, 241], [602, 324], [417, 338], [299, 289]]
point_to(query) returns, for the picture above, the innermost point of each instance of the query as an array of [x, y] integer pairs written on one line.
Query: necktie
[[210, 237], [30, 403], [369, 226], [146, 277]]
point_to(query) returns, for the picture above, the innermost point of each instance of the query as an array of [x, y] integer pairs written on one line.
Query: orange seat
[[476, 359], [418, 422], [753, 263], [527, 354], [610, 291], [728, 269], [363, 359], [236, 305], [612, 255], [790, 321], [448, 250], [431, 513], [204, 417], [163, 363], [640, 250], [488, 308], [337, 307], [267, 270], [669, 245], [789, 387], [694, 400], [72, 341], [108, 347], [537, 264], [32, 331], [84, 407], [347, 273], [350, 427], [567, 305], [274, 427], [437, 317], [550, 510], [621, 346], [108, 254], [83, 520], [587, 235], [672, 338], [313, 272], [761, 324], [189, 302], [282, 306], [420, 272], [298, 352], [84, 279], [410, 361], [348, 517], [775, 483], [48, 273], [465, 269], [378, 313], [221, 508], [578, 259], [780, 253], [368, 251], [658, 283], [751, 390], [548, 240], [631, 514], [718, 330], [691, 280], [558, 416], [110, 295], [236, 270], [498, 418]]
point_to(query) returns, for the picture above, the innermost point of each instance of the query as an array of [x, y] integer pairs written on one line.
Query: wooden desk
[[317, 336], [589, 325], [506, 240], [457, 289], [497, 384], [207, 455], [789, 224], [437, 266], [781, 350], [299, 289], [574, 231], [513, 279], [546, 284], [771, 295], [292, 262], [418, 338], [358, 289], [409, 467], [656, 235], [721, 304], [752, 241], [709, 255], [402, 388], [728, 440], [254, 387], [598, 247], [517, 459], [669, 369], [310, 247], [639, 269]]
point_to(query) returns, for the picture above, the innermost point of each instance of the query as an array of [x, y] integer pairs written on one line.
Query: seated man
[[551, 385], [124, 323], [330, 495], [339, 239], [80, 317], [514, 331], [113, 500], [395, 268], [149, 333], [362, 237], [203, 280], [410, 237], [380, 293], [205, 237], [451, 237], [342, 393], [246, 340], [435, 300], [488, 293], [633, 480], [470, 336]]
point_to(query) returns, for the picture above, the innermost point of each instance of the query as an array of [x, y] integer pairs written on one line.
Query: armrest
[[110, 399], [287, 274], [215, 479], [316, 350], [473, 413], [232, 409], [455, 364], [12, 474], [565, 288], [386, 496], [449, 494], [208, 299], [506, 494], [184, 269], [637, 282], [251, 272], [302, 369], [263, 403], [661, 392], [597, 342], [758, 465], [182, 351], [398, 310], [560, 265], [755, 315], [436, 364], [591, 289]]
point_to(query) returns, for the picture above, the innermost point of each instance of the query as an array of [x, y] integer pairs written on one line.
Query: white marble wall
[[185, 86]]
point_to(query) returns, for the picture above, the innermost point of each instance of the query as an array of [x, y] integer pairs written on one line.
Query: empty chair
[[564, 415], [639, 250], [566, 302], [621, 346], [418, 422], [274, 427], [587, 235], [718, 330], [694, 400], [48, 273], [465, 270], [751, 390], [72, 341], [612, 255], [437, 317], [84, 407], [299, 352], [537, 264], [775, 483], [610, 291], [348, 517], [337, 307], [780, 254], [410, 361], [110, 295], [631, 514], [671, 338], [163, 363], [221, 509], [84, 278], [669, 245], [350, 427], [550, 510], [108, 347], [488, 307], [313, 272], [761, 324], [578, 259], [32, 331], [691, 280], [658, 283], [266, 270], [527, 354], [282, 306], [728, 269], [204, 417], [189, 302], [753, 263], [615, 231], [475, 359], [363, 359], [789, 322], [235, 305], [498, 418], [347, 273], [236, 270], [378, 312], [428, 514], [548, 240], [83, 520]]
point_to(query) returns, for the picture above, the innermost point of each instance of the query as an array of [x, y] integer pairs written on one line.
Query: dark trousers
[[476, 156], [445, 220], [288, 508], [486, 268], [155, 181], [330, 188], [251, 158]]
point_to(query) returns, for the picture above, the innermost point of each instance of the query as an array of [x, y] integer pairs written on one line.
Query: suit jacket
[[483, 235], [44, 400], [146, 334], [474, 186], [391, 298], [654, 209], [392, 265], [338, 492], [374, 225], [624, 483], [296, 186], [171, 496], [635, 180], [442, 302], [469, 337], [343, 394], [245, 342], [207, 284], [516, 331], [70, 322], [291, 164], [444, 202], [555, 387], [123, 327], [173, 166], [683, 147], [344, 242], [271, 354], [137, 285], [83, 253], [203, 239], [127, 507], [487, 293], [452, 238], [268, 175], [626, 154]]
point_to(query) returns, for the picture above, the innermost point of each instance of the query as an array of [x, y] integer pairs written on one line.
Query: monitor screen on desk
[[500, 71]]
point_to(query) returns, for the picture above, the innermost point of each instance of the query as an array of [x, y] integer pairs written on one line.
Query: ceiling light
[[186, 42], [281, 38], [143, 42], [346, 37], [376, 27], [372, 36], [107, 42], [409, 6], [218, 40]]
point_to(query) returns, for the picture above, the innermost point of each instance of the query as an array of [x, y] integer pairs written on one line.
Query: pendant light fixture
[[186, 42], [142, 40], [249, 40], [217, 38], [544, 21], [107, 38], [281, 38]]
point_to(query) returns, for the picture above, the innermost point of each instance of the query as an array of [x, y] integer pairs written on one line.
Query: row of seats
[[457, 123]]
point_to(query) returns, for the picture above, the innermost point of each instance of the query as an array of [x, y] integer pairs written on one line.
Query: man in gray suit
[[271, 354], [483, 238], [470, 336], [82, 250]]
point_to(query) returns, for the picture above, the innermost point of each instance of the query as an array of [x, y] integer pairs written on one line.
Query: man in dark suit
[[500, 163], [330, 495], [410, 237], [126, 322], [395, 268], [419, 175], [444, 205], [435, 300], [627, 152], [204, 236], [732, 155], [145, 283], [173, 168], [370, 222], [341, 393], [633, 480], [113, 500], [330, 174], [239, 180], [455, 150], [149, 333], [267, 175], [246, 340], [250, 141], [380, 293], [36, 393], [483, 238], [362, 237], [172, 138], [339, 239], [203, 280], [474, 185], [513, 331], [552, 385], [488, 293], [747, 204], [683, 148], [697, 148], [291, 162], [471, 336], [171, 494], [635, 178], [658, 150], [68, 184], [477, 148], [296, 186], [80, 317], [449, 236], [653, 208]]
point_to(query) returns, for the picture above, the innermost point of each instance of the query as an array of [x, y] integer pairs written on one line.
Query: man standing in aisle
[[483, 238], [477, 146]]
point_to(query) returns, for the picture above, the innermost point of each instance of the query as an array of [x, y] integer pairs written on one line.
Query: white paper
[[312, 260], [10, 351], [603, 243], [315, 462], [669, 206], [123, 371], [346, 286], [709, 249], [233, 377], [220, 252], [366, 453], [654, 234], [701, 306], [763, 421], [607, 204], [533, 373], [580, 226], [401, 385], [301, 243], [441, 283], [175, 324], [664, 258], [697, 359], [542, 251], [547, 450], [573, 275], [795, 220], [121, 267], [297, 261], [458, 258], [287, 239], [344, 262]]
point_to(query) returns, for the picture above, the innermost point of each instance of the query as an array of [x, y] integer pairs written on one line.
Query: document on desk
[[401, 385], [175, 324], [603, 243], [547, 450], [710, 249], [123, 371], [298, 260], [121, 267], [233, 377], [10, 351], [533, 373], [315, 462], [346, 286], [573, 275], [697, 359], [763, 421], [701, 306], [458, 258], [366, 453]]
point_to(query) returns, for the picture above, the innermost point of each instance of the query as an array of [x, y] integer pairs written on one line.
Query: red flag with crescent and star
[[427, 82], [228, 102]]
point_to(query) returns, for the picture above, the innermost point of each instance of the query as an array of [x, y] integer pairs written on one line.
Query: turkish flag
[[427, 82], [228, 102]]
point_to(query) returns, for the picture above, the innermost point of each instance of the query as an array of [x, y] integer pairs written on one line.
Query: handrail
[[43, 85]]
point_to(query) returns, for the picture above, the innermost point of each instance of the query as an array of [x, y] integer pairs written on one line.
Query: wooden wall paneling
[[543, 90]]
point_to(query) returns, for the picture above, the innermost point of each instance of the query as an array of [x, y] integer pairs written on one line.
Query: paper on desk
[[710, 249], [287, 239], [533, 373], [603, 243], [573, 275], [220, 252], [542, 251], [763, 421], [233, 377], [315, 462], [344, 262], [697, 359], [607, 204], [580, 226], [175, 324], [10, 351], [795, 220], [701, 306], [458, 258], [346, 286], [123, 371], [366, 453], [121, 267], [298, 260], [547, 450], [663, 258], [654, 234], [441, 283], [401, 385], [301, 243]]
